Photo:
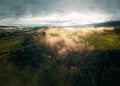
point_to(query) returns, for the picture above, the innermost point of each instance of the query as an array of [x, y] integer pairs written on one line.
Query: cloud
[[64, 19], [17, 9]]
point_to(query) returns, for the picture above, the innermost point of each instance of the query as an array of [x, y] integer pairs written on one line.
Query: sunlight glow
[[73, 18], [63, 19], [66, 40]]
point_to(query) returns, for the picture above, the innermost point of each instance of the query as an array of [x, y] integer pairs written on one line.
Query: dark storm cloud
[[17, 8], [23, 8]]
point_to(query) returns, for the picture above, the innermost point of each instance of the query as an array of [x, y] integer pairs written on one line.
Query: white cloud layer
[[73, 18]]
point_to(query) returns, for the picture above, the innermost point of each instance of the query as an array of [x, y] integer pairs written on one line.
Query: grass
[[107, 40], [41, 65], [7, 44], [71, 39]]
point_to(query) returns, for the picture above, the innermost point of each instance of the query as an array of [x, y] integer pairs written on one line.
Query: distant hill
[[103, 24], [106, 24]]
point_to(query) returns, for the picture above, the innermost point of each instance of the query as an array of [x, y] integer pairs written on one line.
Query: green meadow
[[61, 57]]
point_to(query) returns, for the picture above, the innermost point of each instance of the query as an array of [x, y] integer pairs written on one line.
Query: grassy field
[[79, 39], [107, 40], [62, 57], [7, 44]]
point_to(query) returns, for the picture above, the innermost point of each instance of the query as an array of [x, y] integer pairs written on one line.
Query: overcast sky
[[57, 11]]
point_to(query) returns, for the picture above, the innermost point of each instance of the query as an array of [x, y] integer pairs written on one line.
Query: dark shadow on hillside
[[90, 68], [30, 56], [117, 30]]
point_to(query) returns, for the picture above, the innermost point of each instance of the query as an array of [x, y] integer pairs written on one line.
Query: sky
[[58, 12]]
